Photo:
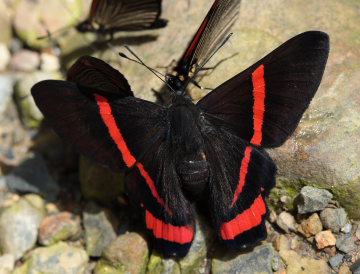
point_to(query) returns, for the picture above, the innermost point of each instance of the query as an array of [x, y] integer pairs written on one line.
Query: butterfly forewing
[[210, 34], [126, 15], [265, 103]]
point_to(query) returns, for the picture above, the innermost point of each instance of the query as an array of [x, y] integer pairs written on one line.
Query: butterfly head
[[85, 26]]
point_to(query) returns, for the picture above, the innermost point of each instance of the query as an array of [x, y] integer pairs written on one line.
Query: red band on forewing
[[200, 31], [259, 104], [151, 185], [93, 8], [242, 174], [114, 131], [109, 120], [168, 232], [246, 220]]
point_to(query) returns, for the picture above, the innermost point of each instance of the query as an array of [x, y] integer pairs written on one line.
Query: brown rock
[[311, 226], [59, 227], [331, 251], [344, 269], [129, 250], [324, 239]]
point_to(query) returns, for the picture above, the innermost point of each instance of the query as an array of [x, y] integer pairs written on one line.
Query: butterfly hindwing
[[264, 103], [94, 73], [241, 176]]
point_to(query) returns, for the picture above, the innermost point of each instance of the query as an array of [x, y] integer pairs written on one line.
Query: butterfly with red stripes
[[211, 153], [109, 16]]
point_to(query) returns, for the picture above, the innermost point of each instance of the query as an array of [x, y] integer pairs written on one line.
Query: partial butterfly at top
[[109, 16], [210, 35], [211, 152]]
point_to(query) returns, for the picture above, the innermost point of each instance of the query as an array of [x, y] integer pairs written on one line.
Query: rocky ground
[[59, 213]]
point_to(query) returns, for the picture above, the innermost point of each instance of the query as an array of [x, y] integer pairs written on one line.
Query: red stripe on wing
[[244, 221], [168, 232], [242, 174], [93, 8], [152, 187], [200, 31], [259, 104], [109, 120], [129, 159]]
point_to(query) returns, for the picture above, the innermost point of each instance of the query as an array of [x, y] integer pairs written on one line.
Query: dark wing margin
[[127, 15], [241, 176], [212, 31], [94, 73], [264, 103]]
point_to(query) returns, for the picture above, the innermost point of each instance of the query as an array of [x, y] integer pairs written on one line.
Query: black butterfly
[[109, 16], [212, 150]]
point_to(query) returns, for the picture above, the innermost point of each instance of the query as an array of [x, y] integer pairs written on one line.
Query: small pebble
[[355, 267], [357, 232], [311, 226], [7, 263], [49, 62], [344, 269], [286, 222], [346, 243], [25, 60], [324, 239], [333, 218], [336, 261], [346, 228], [312, 199], [4, 56]]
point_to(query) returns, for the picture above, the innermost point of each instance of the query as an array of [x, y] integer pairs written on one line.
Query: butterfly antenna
[[218, 48], [139, 61]]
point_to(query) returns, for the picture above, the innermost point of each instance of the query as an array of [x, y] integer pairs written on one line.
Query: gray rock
[[25, 60], [4, 56], [99, 232], [33, 176], [286, 222], [19, 225], [312, 199], [346, 228], [257, 261], [31, 115], [346, 243], [333, 218], [355, 267], [50, 13], [129, 253], [6, 90], [336, 261], [59, 258], [7, 263], [196, 257], [357, 232]]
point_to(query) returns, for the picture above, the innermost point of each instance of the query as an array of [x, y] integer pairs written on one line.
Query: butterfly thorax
[[187, 144]]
